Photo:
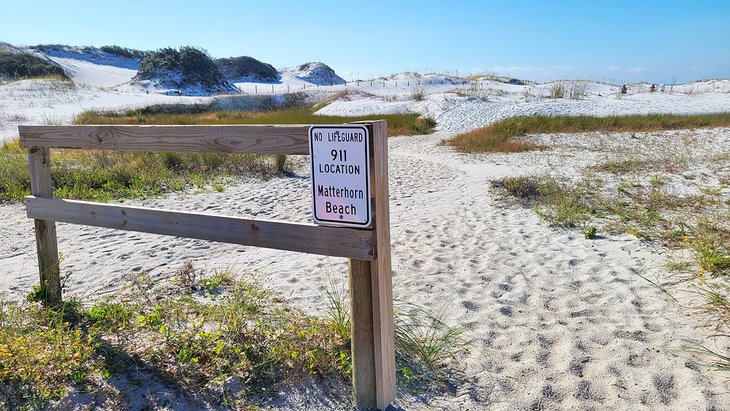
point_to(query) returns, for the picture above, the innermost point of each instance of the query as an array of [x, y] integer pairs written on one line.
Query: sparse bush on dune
[[557, 90], [26, 65], [186, 67], [574, 90], [124, 51], [244, 67]]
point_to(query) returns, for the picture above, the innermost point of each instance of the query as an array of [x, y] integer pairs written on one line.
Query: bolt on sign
[[340, 161]]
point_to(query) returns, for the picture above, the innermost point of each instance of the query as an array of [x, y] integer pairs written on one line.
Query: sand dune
[[554, 321]]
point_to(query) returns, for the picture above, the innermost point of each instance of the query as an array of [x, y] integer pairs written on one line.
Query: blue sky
[[623, 41]]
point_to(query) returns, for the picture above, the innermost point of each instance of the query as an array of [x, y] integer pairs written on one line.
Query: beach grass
[[652, 212], [398, 124], [219, 326], [500, 136], [106, 176], [647, 212], [200, 330], [561, 204]]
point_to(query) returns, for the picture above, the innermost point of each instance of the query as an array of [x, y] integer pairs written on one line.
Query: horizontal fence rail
[[249, 139], [309, 238], [373, 352]]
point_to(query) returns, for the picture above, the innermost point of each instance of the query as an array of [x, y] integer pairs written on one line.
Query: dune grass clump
[[559, 203], [500, 136], [424, 342], [105, 176], [418, 94], [557, 90], [398, 124]]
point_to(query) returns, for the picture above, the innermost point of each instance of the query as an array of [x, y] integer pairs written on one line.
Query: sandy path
[[554, 321]]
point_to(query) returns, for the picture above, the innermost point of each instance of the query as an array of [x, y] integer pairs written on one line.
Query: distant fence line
[[288, 88]]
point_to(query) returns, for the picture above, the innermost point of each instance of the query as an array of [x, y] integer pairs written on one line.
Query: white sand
[[554, 321]]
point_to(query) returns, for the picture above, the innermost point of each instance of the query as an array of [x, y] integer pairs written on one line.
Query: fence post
[[362, 339], [381, 277], [375, 306], [41, 185]]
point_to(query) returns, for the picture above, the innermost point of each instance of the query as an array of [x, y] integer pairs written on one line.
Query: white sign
[[340, 160]]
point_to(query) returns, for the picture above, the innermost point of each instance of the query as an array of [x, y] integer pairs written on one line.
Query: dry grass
[[398, 124], [105, 176], [500, 136]]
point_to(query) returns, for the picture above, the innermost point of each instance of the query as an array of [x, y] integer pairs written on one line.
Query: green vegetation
[[398, 124], [244, 332], [561, 204], [193, 65], [124, 51], [418, 94], [201, 331], [45, 48], [499, 137], [650, 211], [26, 65], [646, 212], [234, 68], [40, 354], [590, 233], [424, 342], [105, 176], [557, 90]]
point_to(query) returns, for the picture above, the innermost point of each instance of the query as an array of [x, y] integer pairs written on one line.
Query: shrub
[[26, 65], [234, 68], [123, 51], [590, 233], [193, 65]]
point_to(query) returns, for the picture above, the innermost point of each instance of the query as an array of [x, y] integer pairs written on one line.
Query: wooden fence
[[368, 250]]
